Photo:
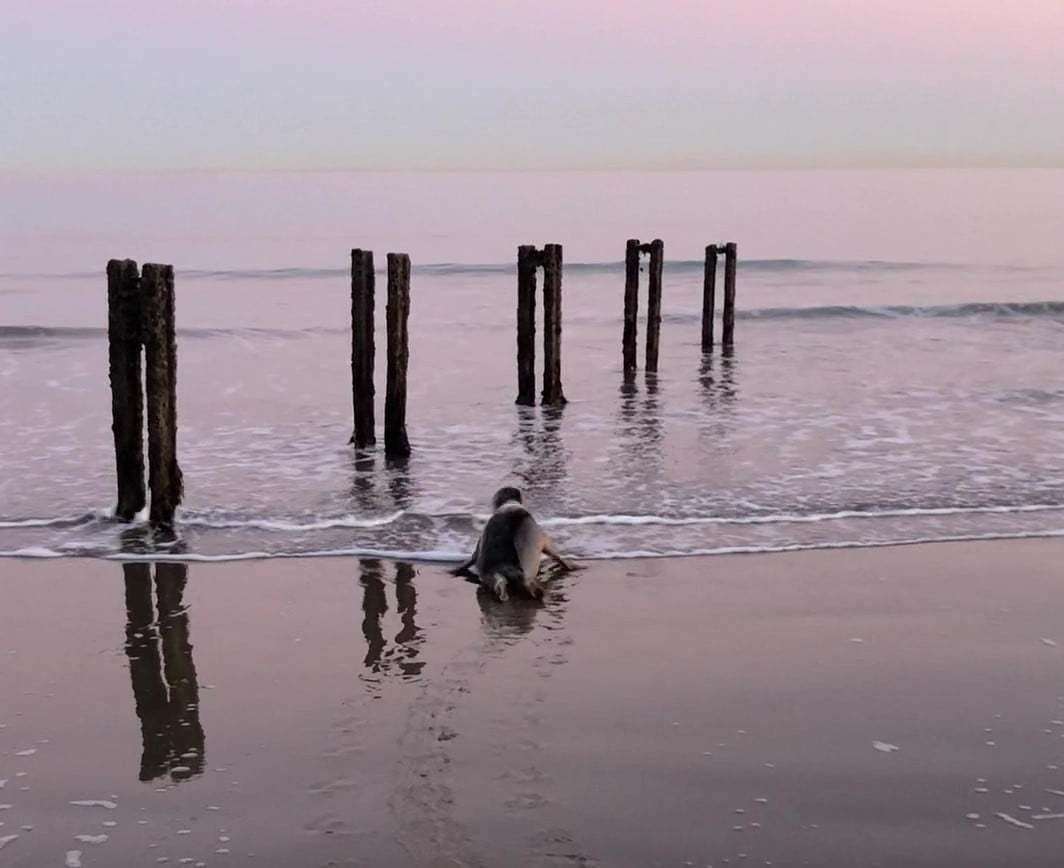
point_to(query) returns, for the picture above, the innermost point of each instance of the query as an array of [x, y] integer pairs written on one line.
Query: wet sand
[[816, 708]]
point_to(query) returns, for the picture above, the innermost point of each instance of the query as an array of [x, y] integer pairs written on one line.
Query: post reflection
[[162, 671], [402, 657], [541, 463], [364, 492], [718, 380], [374, 605], [641, 419], [382, 486]]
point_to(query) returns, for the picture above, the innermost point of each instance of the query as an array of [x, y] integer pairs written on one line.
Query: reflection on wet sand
[[162, 672], [517, 616], [402, 657]]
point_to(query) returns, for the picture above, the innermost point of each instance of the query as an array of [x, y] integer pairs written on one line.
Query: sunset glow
[[593, 84]]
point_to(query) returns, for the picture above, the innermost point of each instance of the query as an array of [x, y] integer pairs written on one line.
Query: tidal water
[[896, 376]]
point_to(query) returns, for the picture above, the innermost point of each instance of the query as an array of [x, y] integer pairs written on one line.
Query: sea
[[897, 374]]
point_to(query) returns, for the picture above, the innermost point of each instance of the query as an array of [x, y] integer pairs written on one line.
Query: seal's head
[[504, 496]]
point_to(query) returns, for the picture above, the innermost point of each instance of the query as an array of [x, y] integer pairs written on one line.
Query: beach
[[883, 706], [817, 621], [754, 318]]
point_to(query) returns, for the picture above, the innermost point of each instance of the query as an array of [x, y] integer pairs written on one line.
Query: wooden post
[[730, 258], [397, 313], [657, 259], [527, 260], [552, 325], [709, 297], [631, 305], [362, 347], [127, 394], [160, 360]]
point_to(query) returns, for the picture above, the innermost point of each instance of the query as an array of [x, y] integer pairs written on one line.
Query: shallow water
[[871, 397]]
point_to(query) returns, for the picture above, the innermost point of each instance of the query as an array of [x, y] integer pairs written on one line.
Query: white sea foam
[[1012, 821], [73, 859], [430, 556], [95, 803], [344, 521], [32, 552], [192, 520], [797, 518], [441, 556], [43, 522]]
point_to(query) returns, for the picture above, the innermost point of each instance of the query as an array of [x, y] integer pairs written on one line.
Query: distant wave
[[895, 311], [461, 269], [1050, 309], [44, 333], [32, 332], [890, 311]]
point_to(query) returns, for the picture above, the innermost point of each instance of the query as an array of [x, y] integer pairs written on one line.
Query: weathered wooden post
[[160, 361], [397, 314], [656, 249], [127, 395], [551, 258], [709, 297], [362, 347], [730, 259], [631, 305], [527, 261]]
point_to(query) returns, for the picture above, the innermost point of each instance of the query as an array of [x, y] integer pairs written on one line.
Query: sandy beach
[[892, 706], [757, 317]]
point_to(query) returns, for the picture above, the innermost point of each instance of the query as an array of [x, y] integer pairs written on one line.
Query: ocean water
[[896, 377]]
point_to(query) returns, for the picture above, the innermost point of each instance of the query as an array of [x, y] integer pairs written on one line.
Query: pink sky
[[474, 84]]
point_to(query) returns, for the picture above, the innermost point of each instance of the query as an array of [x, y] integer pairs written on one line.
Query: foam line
[[796, 518], [438, 556]]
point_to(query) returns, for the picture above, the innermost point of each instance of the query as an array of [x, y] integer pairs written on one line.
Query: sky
[[555, 84]]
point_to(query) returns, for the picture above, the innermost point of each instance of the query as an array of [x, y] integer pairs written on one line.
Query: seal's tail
[[501, 578]]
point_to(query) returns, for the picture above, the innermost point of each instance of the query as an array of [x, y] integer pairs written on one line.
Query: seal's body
[[510, 548]]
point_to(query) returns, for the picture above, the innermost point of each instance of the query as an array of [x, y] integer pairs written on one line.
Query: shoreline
[[803, 707], [34, 553]]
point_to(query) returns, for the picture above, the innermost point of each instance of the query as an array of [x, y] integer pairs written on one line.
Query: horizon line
[[1056, 165]]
